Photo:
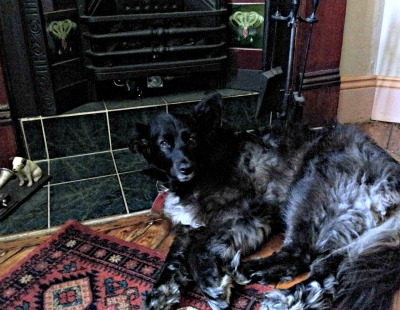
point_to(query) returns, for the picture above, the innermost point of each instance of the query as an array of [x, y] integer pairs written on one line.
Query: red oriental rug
[[79, 268]]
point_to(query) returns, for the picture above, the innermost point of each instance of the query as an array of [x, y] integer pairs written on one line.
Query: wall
[[8, 145], [387, 97], [388, 60], [370, 62]]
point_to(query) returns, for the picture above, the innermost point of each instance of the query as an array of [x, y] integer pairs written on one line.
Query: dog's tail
[[366, 278], [370, 274]]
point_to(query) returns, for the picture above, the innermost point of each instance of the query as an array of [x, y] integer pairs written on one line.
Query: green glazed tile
[[140, 191], [34, 139], [121, 123], [127, 161], [86, 200], [81, 167], [134, 103], [76, 135]]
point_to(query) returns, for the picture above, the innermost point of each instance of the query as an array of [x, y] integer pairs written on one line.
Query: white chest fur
[[182, 214]]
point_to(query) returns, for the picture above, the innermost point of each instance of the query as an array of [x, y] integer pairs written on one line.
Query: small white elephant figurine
[[26, 170]]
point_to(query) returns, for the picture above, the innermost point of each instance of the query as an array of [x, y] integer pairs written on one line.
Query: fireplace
[[78, 51], [112, 49], [144, 46]]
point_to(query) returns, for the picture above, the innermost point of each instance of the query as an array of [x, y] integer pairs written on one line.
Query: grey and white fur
[[230, 192], [342, 227]]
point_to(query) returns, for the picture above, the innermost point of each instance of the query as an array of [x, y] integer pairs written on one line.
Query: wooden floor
[[147, 230], [150, 231]]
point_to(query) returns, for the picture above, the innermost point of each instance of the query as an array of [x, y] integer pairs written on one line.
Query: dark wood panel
[[322, 74], [3, 94], [321, 105], [327, 34], [8, 145]]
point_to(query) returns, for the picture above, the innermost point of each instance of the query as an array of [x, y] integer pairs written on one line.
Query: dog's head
[[18, 163], [171, 143]]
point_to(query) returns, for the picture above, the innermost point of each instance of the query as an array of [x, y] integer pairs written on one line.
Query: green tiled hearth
[[85, 150]]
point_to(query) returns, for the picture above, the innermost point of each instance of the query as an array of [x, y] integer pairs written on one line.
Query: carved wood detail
[[38, 57]]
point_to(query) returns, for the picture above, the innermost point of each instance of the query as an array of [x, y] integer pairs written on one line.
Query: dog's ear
[[140, 139], [208, 112], [23, 161], [11, 158]]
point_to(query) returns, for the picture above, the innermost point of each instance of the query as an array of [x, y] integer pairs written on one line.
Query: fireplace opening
[[132, 47]]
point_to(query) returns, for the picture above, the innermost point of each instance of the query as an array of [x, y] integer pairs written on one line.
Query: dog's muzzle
[[185, 171]]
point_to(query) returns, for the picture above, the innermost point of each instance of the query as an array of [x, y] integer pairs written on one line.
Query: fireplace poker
[[297, 95]]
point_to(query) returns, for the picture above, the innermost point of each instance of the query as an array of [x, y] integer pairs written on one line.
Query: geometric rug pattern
[[78, 268]]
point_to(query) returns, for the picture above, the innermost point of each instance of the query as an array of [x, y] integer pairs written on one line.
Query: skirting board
[[365, 98]]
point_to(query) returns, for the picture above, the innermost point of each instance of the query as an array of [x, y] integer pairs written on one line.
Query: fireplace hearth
[[141, 45]]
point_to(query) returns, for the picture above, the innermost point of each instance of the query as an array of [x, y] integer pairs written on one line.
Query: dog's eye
[[192, 140], [144, 142], [189, 138], [164, 144]]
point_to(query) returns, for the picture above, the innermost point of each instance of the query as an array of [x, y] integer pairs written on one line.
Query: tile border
[[41, 232], [115, 164]]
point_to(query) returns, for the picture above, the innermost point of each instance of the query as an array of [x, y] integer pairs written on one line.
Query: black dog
[[229, 193]]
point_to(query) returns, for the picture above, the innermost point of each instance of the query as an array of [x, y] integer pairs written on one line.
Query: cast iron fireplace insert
[[137, 44]]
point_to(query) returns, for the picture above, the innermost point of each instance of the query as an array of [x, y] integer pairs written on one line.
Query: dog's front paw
[[235, 270], [279, 300], [218, 293], [241, 274], [240, 278], [162, 297], [246, 273], [274, 274]]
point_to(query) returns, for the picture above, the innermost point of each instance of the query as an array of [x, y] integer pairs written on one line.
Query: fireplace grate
[[131, 39]]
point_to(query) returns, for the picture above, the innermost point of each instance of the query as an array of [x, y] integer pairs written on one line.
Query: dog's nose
[[186, 168]]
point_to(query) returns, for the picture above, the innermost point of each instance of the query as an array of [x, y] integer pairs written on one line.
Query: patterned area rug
[[78, 268]]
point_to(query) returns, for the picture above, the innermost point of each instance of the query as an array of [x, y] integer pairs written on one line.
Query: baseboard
[[355, 82], [364, 98]]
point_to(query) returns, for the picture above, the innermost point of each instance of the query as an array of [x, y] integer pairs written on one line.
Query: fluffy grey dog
[[229, 192], [342, 226]]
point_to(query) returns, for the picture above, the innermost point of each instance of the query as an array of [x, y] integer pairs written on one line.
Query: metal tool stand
[[291, 108]]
